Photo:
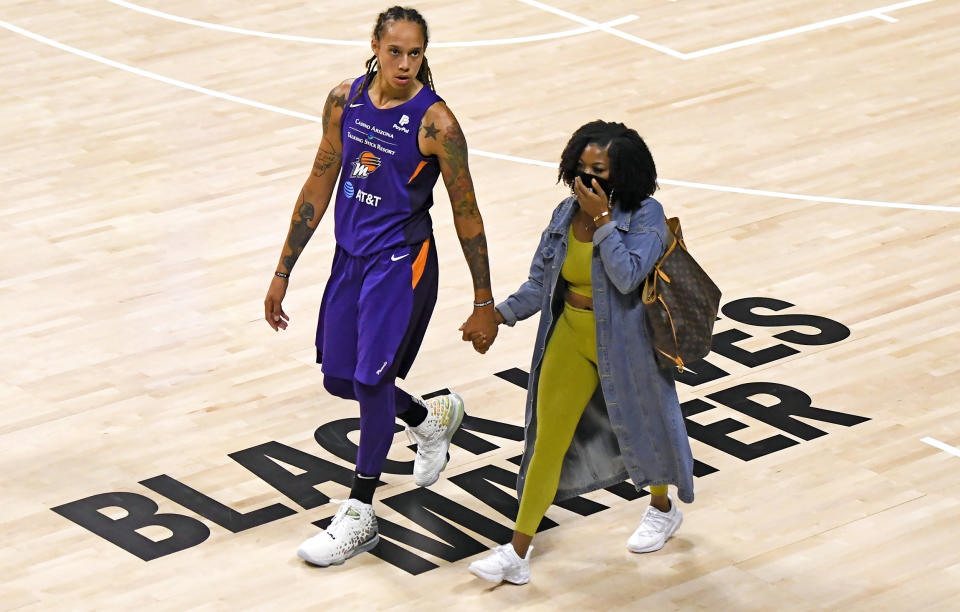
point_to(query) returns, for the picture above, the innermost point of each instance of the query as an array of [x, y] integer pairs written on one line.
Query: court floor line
[[591, 26], [313, 118], [809, 28], [366, 43], [875, 12], [603, 28], [941, 445]]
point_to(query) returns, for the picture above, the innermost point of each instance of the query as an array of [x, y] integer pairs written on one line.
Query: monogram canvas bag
[[681, 303]]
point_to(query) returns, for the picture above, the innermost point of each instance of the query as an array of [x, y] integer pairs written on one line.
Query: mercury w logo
[[365, 165]]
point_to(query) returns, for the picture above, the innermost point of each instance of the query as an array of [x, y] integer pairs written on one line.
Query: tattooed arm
[[311, 203], [440, 135]]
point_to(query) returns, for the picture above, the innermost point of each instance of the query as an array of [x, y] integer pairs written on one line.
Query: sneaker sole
[[368, 545], [495, 578], [656, 548], [460, 414]]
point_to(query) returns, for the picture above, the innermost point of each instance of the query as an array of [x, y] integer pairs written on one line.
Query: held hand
[[592, 202], [480, 328], [272, 304]]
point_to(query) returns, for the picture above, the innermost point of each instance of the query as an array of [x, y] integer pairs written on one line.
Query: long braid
[[397, 13]]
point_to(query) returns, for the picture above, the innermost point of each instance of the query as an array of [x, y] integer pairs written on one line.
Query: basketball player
[[387, 136]]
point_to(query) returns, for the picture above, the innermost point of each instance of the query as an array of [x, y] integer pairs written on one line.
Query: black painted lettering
[[699, 372], [723, 344], [742, 310], [493, 428], [626, 490], [395, 555], [715, 434], [332, 437], [702, 469], [300, 488], [211, 509], [428, 509], [479, 483], [141, 512], [516, 376], [791, 402]]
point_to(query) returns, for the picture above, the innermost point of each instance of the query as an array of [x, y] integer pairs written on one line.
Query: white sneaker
[[432, 437], [352, 531], [503, 564], [655, 528]]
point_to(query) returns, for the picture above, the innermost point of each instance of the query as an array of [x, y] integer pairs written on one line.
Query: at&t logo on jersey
[[365, 165], [348, 189]]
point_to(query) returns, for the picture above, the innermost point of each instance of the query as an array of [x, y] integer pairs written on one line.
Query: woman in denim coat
[[599, 409]]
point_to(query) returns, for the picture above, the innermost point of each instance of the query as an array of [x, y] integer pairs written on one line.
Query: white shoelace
[[654, 521], [341, 513]]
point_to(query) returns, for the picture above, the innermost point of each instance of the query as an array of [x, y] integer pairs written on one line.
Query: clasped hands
[[481, 327]]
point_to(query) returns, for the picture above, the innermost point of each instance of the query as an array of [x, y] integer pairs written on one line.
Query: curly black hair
[[633, 175]]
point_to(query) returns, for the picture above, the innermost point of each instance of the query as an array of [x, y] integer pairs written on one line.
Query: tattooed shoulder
[[336, 99]]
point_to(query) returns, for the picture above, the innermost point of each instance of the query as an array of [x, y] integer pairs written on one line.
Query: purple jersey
[[386, 184]]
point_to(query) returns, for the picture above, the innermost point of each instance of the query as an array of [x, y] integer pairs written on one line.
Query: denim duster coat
[[632, 425]]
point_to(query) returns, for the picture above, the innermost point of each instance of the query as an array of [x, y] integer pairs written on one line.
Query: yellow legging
[[568, 378]]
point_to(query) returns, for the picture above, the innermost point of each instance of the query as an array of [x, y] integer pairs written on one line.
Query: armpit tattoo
[[300, 233], [475, 252]]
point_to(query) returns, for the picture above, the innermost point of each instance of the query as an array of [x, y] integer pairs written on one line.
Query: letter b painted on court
[[141, 512]]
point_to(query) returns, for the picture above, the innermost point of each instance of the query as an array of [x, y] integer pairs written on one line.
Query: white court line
[[876, 12], [797, 196], [366, 43], [523, 160], [941, 445], [745, 191], [807, 28], [604, 28]]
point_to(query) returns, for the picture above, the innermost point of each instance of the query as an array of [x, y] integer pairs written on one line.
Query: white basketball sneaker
[[432, 437], [503, 564], [352, 531], [655, 528]]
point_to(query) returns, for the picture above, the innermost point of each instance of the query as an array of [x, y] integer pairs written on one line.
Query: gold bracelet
[[600, 216]]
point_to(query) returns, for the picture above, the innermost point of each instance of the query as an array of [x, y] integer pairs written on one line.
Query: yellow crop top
[[576, 266]]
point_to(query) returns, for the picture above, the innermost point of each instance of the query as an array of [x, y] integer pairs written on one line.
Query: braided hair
[[633, 175], [392, 14]]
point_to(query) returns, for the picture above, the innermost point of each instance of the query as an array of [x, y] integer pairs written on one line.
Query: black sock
[[363, 487], [415, 413]]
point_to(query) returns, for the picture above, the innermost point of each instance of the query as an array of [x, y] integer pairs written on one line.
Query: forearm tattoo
[[300, 232], [464, 202], [326, 159], [475, 251]]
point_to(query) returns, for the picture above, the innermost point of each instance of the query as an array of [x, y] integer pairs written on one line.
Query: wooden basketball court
[[150, 155]]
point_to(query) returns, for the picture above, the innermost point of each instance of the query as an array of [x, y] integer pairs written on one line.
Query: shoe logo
[[381, 368], [353, 513], [395, 258], [356, 105]]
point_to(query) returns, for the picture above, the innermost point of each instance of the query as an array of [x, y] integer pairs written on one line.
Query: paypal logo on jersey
[[403, 121], [348, 189]]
